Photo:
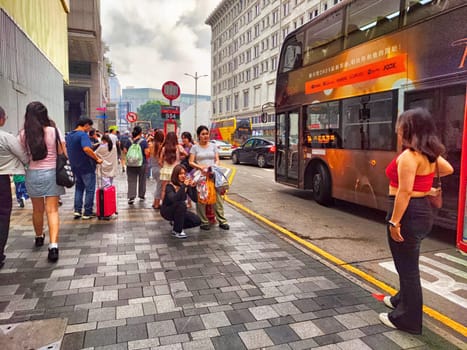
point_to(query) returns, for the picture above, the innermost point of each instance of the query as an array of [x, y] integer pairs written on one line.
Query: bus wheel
[[321, 185], [235, 158], [261, 161]]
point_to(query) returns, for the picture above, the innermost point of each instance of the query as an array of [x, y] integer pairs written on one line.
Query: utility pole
[[196, 77]]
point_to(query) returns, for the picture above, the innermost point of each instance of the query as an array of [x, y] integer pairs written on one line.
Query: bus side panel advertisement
[[393, 61]]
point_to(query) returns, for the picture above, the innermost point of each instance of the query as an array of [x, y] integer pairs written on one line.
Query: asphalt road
[[356, 235]]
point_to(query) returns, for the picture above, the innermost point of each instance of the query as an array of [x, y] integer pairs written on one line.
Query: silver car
[[224, 148]]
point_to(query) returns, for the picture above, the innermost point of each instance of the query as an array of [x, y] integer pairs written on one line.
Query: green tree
[[151, 111]]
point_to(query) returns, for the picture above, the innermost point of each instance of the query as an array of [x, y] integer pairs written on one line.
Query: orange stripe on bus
[[371, 71]]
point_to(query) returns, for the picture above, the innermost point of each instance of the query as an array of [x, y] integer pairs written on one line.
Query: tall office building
[[245, 44]]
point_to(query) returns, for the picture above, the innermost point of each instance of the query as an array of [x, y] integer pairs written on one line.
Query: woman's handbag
[[437, 201], [64, 175]]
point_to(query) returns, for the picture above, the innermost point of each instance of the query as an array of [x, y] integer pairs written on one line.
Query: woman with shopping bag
[[203, 156]]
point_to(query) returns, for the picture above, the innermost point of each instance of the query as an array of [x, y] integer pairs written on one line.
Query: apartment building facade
[[246, 38]]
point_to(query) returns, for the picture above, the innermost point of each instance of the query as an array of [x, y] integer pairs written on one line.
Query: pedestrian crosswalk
[[443, 274]]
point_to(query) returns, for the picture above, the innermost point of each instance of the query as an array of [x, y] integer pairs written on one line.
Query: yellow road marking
[[456, 326]]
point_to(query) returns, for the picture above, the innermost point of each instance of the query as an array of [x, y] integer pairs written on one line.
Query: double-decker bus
[[232, 130], [344, 77]]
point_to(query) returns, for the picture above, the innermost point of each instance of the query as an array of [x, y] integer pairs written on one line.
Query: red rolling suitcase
[[106, 202]]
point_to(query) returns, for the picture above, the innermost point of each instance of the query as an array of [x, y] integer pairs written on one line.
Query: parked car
[[224, 148], [255, 150]]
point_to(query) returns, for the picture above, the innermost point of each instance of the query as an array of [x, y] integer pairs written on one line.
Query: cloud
[[152, 41]]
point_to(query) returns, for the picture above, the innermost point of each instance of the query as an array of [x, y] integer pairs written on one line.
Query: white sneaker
[[387, 302], [180, 235], [384, 318]]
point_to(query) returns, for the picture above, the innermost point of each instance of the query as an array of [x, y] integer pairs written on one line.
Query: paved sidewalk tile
[[128, 284]]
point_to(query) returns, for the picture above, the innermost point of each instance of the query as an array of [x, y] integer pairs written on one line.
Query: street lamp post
[[196, 77]]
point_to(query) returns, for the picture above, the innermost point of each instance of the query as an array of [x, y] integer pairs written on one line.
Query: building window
[[256, 51], [213, 108], [246, 98], [257, 97], [220, 105], [275, 17], [236, 102], [274, 63], [275, 40], [255, 71], [286, 8], [257, 31], [227, 103], [247, 75]]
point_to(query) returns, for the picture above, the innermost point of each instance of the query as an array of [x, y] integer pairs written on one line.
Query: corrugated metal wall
[[26, 75]]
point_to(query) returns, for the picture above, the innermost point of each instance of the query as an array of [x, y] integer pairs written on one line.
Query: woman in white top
[[107, 170], [39, 140], [202, 156]]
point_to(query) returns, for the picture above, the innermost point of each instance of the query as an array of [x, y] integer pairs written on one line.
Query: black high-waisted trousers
[[416, 224]]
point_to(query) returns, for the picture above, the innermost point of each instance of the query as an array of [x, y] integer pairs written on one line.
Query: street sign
[[170, 90], [131, 117], [170, 112]]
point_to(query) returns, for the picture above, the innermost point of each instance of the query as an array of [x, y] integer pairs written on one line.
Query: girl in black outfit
[[174, 204]]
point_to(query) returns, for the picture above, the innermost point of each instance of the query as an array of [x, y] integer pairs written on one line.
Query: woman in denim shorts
[[39, 140]]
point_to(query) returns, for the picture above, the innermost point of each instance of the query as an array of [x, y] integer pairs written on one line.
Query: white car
[[224, 148]]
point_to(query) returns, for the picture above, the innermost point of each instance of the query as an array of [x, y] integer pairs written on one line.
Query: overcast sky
[[153, 41]]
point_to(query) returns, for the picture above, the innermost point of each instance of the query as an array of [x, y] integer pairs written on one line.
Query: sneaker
[[53, 254], [384, 318], [141, 199], [21, 202], [76, 215], [387, 302], [205, 227], [180, 235], [174, 233], [131, 201], [39, 240], [224, 226], [90, 216], [60, 203]]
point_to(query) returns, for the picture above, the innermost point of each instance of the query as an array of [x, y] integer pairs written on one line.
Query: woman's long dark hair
[[419, 133], [107, 139], [170, 147], [35, 119], [157, 142]]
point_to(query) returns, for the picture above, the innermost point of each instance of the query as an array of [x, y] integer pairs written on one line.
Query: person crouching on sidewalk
[[174, 204]]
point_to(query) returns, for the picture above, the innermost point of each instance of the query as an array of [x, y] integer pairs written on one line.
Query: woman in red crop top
[[410, 217]]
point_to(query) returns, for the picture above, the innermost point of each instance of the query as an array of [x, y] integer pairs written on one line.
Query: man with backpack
[[136, 165]]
